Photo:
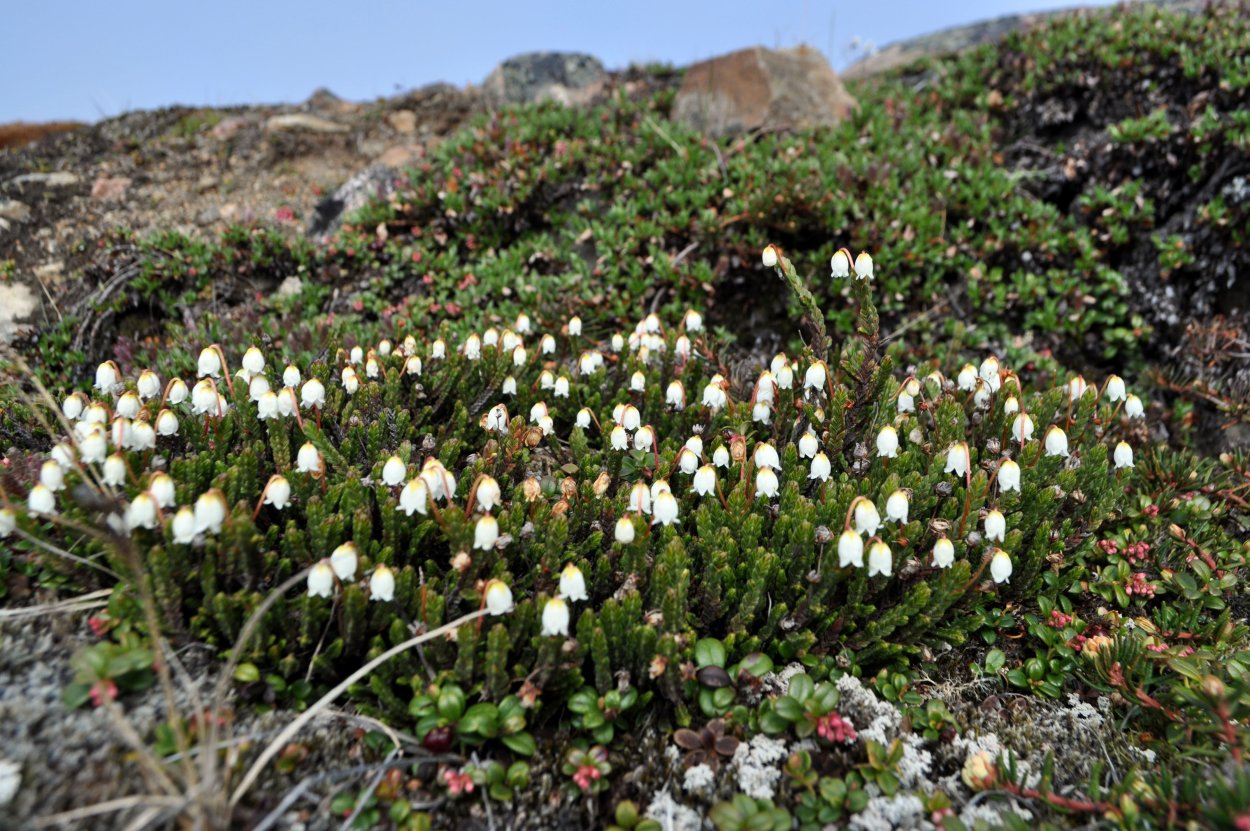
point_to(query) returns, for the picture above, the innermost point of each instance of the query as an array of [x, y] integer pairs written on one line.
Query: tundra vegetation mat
[[603, 486]]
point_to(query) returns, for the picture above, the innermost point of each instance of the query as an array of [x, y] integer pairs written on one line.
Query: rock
[[759, 87], [400, 155], [13, 210], [325, 101], [50, 273], [377, 180], [568, 77], [58, 178], [17, 304], [227, 127], [403, 121], [109, 190], [290, 286], [304, 121]]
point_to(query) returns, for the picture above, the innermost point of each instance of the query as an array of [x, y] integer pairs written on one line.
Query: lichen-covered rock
[[567, 77]]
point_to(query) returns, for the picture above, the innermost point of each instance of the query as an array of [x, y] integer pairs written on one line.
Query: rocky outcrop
[[566, 77], [762, 88]]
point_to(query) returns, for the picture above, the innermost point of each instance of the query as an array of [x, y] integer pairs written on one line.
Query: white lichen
[[672, 815], [699, 780], [756, 766], [885, 813]]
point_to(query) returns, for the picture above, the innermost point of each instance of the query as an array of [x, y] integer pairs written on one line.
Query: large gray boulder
[[568, 77]]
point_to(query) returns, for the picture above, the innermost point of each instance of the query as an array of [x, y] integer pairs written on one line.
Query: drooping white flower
[[93, 445], [619, 438], [644, 439], [183, 526], [498, 597], [704, 480], [665, 509], [344, 561], [675, 395], [887, 442], [288, 404], [981, 395], [943, 553], [209, 363], [815, 377], [210, 512], [880, 559], [372, 368], [142, 436], [967, 378], [720, 456], [394, 472], [1115, 389], [519, 356], [1133, 407], [766, 456], [850, 550], [637, 381], [253, 361], [761, 412], [784, 376], [769, 257], [8, 521], [51, 476], [840, 263], [414, 498], [1077, 387], [808, 445], [141, 512], [472, 347], [308, 460], [1056, 441], [693, 321], [766, 484], [127, 405], [625, 530], [896, 507], [351, 381], [278, 491], [821, 468], [714, 396], [356, 355], [867, 520], [575, 326], [41, 501], [488, 494], [114, 471], [107, 377], [687, 461], [958, 459], [522, 324], [1022, 428], [556, 617], [148, 385], [1011, 405], [995, 525], [176, 391], [266, 406], [1009, 476], [290, 376], [321, 580], [561, 387], [496, 419], [863, 266], [162, 488], [573, 584], [486, 533], [1000, 566], [382, 584], [204, 398], [1123, 455], [73, 405], [990, 373], [413, 366], [312, 394]]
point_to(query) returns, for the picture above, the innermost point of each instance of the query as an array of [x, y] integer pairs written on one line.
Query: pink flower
[[102, 691], [586, 776], [458, 783]]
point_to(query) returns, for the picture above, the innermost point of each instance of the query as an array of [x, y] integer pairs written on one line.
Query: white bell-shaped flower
[[867, 519], [210, 512], [183, 526], [114, 471], [394, 472], [498, 597], [414, 498], [769, 257], [958, 459], [141, 512], [821, 468], [253, 361], [675, 395], [850, 549], [625, 530], [1115, 389], [943, 553], [573, 584], [209, 363], [321, 580], [665, 509], [308, 460], [720, 456], [1123, 455], [1133, 407], [896, 507], [312, 394], [808, 445], [344, 561], [1000, 566], [840, 264], [887, 442], [488, 494], [51, 476], [995, 525], [1009, 476], [766, 455], [880, 559], [1056, 441], [278, 492], [485, 533], [162, 488], [863, 266], [1022, 428], [766, 484], [41, 501], [382, 584], [555, 619]]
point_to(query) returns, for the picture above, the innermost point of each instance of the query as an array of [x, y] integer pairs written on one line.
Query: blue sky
[[87, 59]]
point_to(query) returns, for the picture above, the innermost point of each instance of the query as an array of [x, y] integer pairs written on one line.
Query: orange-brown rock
[[762, 88]]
